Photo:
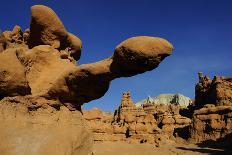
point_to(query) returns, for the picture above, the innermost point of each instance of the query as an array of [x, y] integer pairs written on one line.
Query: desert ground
[[123, 148]]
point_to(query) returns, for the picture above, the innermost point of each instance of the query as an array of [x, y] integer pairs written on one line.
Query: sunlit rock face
[[175, 99], [212, 111], [207, 121], [145, 124], [42, 88]]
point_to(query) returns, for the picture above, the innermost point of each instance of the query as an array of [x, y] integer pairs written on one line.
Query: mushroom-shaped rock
[[47, 29], [51, 73], [142, 54], [139, 54]]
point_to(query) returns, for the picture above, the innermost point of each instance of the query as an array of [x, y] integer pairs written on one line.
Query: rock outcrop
[[217, 91], [36, 126], [175, 99], [42, 89], [2, 42], [145, 124], [208, 120], [212, 116]]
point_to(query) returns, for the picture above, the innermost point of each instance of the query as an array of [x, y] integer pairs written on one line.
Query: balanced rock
[[139, 54], [42, 89]]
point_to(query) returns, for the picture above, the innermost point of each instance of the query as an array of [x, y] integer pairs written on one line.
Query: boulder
[[139, 54]]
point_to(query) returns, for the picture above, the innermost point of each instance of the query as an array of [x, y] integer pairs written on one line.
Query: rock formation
[[176, 99], [217, 91], [42, 89], [2, 42], [212, 116], [145, 124]]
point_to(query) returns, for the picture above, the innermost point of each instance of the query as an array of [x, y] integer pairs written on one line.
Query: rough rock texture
[[36, 126], [176, 99], [211, 123], [146, 124], [47, 29], [217, 91], [42, 89], [51, 73], [212, 116], [2, 42], [12, 75]]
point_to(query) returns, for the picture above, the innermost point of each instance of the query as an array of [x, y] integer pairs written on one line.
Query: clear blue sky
[[200, 30]]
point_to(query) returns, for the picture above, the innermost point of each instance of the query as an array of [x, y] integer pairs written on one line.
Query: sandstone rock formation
[[212, 116], [36, 126], [42, 89], [2, 42], [145, 124], [176, 99], [217, 91]]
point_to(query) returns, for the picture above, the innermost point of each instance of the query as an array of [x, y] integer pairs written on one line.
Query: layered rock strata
[[145, 124], [212, 117]]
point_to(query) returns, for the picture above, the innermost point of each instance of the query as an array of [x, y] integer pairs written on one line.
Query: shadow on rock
[[224, 143]]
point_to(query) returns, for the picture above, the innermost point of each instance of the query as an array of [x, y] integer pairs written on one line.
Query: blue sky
[[200, 30]]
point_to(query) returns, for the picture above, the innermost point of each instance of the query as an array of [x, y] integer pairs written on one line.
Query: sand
[[123, 148]]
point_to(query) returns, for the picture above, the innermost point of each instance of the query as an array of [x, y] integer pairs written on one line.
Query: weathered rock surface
[[217, 91], [139, 54], [42, 89], [176, 99], [2, 42], [36, 126], [212, 117], [47, 29], [152, 123], [211, 123], [13, 80], [50, 68], [145, 124]]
